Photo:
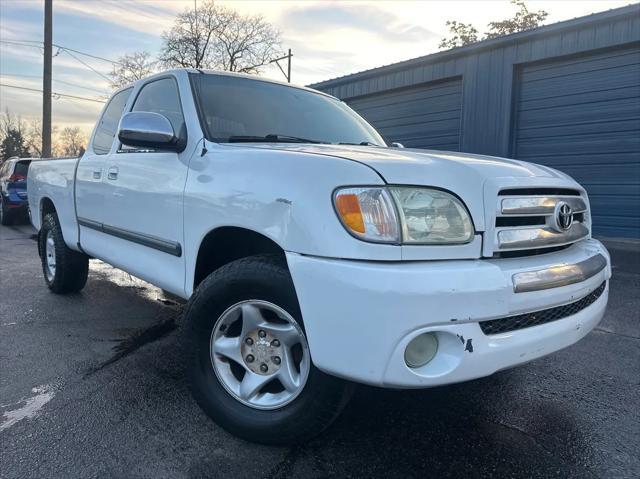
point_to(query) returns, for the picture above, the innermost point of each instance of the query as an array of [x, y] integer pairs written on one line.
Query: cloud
[[14, 29], [145, 17], [320, 18]]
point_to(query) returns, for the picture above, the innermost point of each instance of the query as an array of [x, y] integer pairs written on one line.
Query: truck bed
[[54, 178]]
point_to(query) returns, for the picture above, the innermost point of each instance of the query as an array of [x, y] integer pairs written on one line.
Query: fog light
[[421, 350]]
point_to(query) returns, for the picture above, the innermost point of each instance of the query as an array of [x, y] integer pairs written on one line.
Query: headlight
[[368, 213], [432, 216], [402, 214]]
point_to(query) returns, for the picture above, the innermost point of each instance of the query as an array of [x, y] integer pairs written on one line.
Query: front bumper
[[360, 316]]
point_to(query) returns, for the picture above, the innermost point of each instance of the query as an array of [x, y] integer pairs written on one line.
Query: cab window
[[106, 129], [161, 96]]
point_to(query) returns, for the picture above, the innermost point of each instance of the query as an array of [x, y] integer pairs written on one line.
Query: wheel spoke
[[288, 374], [229, 348], [251, 319], [252, 383], [288, 335]]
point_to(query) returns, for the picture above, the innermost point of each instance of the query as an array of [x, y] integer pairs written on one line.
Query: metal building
[[565, 95]]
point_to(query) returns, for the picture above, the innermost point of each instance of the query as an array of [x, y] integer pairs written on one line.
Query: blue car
[[13, 190]]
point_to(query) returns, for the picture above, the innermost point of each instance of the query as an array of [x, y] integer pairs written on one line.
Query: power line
[[68, 52], [25, 41], [88, 66], [62, 95], [86, 54], [28, 43], [104, 92], [21, 44]]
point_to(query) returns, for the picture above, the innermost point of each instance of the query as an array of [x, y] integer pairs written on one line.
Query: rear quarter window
[[108, 124]]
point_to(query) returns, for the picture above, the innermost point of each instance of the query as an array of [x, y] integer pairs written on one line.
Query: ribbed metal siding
[[490, 85], [581, 115], [427, 116]]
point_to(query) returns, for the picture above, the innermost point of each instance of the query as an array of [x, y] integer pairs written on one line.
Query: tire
[[264, 281], [70, 268], [6, 216]]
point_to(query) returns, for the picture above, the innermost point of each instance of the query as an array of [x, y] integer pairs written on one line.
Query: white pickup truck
[[313, 255]]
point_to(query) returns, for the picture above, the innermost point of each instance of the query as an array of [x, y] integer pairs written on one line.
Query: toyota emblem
[[563, 216]]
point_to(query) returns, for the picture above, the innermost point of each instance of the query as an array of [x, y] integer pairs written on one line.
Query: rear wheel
[[6, 216], [252, 370], [65, 270]]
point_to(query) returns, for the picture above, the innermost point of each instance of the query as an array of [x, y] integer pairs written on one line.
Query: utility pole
[[46, 79], [288, 58]]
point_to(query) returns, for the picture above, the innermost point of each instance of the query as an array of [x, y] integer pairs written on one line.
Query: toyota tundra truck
[[312, 254]]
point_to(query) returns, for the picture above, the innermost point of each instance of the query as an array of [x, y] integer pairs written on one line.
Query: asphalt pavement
[[93, 385]]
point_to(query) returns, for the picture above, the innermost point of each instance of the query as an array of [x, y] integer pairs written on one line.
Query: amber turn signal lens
[[348, 208]]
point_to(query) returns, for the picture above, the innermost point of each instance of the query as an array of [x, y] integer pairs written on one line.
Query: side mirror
[[148, 130], [397, 145]]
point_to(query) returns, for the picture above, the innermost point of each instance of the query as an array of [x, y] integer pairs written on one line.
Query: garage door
[[582, 116], [427, 116]]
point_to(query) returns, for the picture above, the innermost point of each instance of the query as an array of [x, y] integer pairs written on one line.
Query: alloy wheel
[[50, 252], [260, 354]]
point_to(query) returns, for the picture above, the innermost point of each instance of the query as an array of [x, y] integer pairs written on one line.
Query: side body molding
[[170, 247]]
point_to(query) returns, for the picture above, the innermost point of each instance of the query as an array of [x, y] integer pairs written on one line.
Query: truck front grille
[[530, 219], [527, 320]]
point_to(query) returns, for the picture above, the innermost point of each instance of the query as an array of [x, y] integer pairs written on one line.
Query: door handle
[[113, 173], [97, 174]]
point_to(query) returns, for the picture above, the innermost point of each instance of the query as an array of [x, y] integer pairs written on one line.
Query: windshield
[[236, 109]]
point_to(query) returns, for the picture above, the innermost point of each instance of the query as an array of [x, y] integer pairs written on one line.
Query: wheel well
[[226, 244], [46, 206]]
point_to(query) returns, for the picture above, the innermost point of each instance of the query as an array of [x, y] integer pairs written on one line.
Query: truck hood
[[415, 166], [464, 174]]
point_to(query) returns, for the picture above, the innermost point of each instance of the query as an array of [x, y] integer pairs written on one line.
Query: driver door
[[145, 189]]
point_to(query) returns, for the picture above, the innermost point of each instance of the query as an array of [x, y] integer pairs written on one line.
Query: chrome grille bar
[[544, 237], [534, 206]]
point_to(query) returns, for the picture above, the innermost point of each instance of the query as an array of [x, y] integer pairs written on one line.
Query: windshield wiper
[[362, 143], [271, 138]]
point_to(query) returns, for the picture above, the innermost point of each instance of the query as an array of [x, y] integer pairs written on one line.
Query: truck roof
[[247, 76]]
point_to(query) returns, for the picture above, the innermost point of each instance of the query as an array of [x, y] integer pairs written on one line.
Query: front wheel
[[65, 270], [252, 370]]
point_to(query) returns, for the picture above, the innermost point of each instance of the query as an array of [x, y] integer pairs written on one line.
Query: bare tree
[[13, 145], [187, 43], [10, 122], [521, 21], [461, 34], [247, 44], [19, 138], [132, 67], [214, 36], [12, 136], [33, 137], [465, 33], [71, 141]]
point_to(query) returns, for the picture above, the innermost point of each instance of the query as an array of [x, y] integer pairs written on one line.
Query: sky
[[328, 39]]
